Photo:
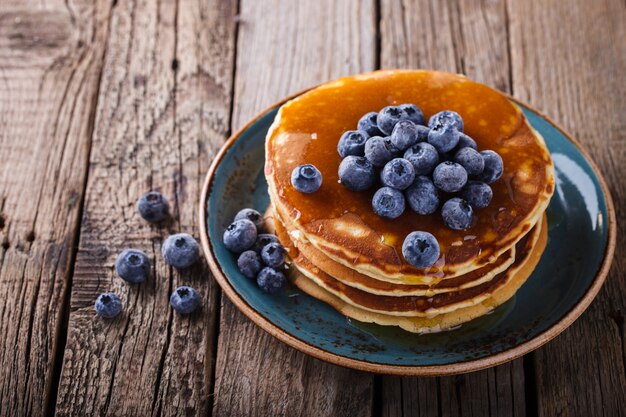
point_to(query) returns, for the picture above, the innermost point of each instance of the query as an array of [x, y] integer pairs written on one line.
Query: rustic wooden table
[[102, 100]]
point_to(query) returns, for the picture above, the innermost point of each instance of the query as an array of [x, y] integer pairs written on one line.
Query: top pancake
[[341, 223]]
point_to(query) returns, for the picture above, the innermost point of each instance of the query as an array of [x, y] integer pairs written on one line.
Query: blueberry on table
[[466, 142], [270, 281], [446, 118], [249, 263], [443, 137], [369, 125], [493, 167], [398, 173], [108, 305], [262, 240], [388, 117], [423, 156], [457, 214], [184, 300], [420, 249], [413, 113], [153, 207], [252, 215], [388, 203], [352, 142], [132, 265], [306, 178], [422, 196], [181, 250], [273, 255], [471, 160], [356, 173], [379, 150], [404, 134], [477, 194], [449, 177]]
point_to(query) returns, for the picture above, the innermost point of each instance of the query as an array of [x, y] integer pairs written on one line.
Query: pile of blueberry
[[261, 256], [418, 164], [133, 266]]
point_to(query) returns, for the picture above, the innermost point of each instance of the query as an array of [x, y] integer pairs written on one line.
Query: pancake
[[342, 225], [418, 306], [442, 322], [353, 278]]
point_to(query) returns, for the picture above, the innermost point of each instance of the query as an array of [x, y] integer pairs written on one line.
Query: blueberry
[[457, 214], [181, 250], [397, 173], [466, 142], [273, 255], [249, 263], [306, 178], [262, 240], [422, 133], [446, 118], [449, 177], [379, 151], [423, 156], [394, 150], [443, 138], [270, 281], [413, 113], [388, 203], [133, 266], [493, 167], [356, 173], [239, 236], [422, 196], [368, 124], [252, 215], [477, 194], [404, 134], [388, 117], [471, 160], [352, 142], [108, 305], [153, 207], [420, 249], [184, 300]]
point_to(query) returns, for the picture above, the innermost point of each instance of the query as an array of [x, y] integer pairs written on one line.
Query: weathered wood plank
[[163, 110], [51, 57], [284, 47], [469, 37], [569, 59]]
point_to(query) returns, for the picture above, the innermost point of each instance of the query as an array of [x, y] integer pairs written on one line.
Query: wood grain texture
[[163, 111], [284, 47], [569, 59], [469, 37], [50, 62]]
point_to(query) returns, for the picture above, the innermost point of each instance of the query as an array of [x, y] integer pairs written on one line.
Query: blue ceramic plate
[[572, 270]]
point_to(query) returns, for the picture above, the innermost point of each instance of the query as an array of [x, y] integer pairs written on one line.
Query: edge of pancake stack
[[356, 274]]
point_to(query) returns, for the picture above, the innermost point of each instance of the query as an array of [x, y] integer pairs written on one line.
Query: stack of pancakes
[[342, 253]]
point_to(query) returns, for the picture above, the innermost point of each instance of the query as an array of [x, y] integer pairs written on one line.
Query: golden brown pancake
[[412, 306], [441, 322], [341, 224], [353, 278]]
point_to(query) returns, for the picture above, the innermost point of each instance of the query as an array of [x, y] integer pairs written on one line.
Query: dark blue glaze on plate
[[571, 271]]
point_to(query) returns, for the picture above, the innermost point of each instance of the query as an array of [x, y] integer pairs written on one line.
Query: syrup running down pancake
[[341, 224]]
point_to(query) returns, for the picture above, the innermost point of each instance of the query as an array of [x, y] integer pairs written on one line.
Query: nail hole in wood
[[5, 245], [1, 222], [30, 237], [174, 64]]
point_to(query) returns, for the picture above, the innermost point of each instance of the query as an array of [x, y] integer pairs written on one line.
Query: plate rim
[[406, 370]]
